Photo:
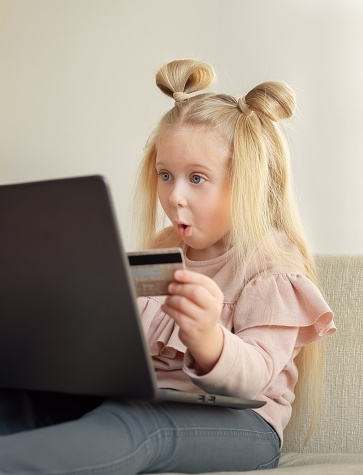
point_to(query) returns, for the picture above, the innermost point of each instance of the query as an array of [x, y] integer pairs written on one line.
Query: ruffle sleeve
[[162, 333], [284, 300], [274, 316]]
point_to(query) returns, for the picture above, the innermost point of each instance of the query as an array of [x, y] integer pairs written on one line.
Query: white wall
[[77, 92]]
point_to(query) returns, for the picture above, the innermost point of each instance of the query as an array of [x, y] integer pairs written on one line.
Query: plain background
[[77, 91]]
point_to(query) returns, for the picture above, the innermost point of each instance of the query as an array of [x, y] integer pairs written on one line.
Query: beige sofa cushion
[[340, 426]]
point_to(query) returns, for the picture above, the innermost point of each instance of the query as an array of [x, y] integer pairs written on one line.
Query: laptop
[[68, 313]]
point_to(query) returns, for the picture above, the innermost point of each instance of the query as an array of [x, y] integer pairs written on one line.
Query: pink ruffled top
[[266, 319]]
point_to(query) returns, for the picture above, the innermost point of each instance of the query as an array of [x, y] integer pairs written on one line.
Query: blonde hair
[[262, 201]]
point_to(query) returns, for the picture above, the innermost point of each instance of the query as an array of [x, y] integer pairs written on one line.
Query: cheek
[[160, 192], [224, 209], [163, 198], [227, 199]]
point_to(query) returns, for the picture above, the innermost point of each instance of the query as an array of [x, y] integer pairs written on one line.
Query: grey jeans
[[117, 437]]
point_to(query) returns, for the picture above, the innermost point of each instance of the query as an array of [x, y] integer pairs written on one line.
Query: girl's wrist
[[207, 355]]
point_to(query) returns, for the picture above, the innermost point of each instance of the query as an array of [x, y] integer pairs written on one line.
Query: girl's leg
[[139, 437], [22, 410]]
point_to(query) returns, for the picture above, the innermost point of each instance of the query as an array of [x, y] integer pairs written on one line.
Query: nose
[[177, 197]]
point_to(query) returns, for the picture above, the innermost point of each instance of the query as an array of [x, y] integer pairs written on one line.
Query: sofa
[[336, 447]]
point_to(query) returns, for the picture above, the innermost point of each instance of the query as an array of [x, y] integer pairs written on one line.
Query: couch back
[[340, 428]]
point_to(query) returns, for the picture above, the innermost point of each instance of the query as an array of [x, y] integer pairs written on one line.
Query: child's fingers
[[188, 276], [196, 279], [179, 308], [195, 293]]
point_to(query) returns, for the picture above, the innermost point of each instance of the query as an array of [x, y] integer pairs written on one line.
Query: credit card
[[153, 270]]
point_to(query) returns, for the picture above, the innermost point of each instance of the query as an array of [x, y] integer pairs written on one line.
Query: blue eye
[[164, 176], [196, 179]]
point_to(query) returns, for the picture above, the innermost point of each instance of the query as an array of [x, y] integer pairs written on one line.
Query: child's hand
[[196, 304]]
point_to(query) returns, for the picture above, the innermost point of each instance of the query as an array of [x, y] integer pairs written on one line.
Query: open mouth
[[184, 230]]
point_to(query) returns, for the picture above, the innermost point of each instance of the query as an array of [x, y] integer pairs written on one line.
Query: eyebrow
[[192, 166]]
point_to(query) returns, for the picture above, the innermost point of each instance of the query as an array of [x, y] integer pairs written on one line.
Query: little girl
[[240, 319]]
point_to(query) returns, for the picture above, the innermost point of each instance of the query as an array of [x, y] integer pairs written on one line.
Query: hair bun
[[184, 76], [276, 100]]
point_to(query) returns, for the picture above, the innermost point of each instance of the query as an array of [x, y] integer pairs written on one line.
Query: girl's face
[[194, 188]]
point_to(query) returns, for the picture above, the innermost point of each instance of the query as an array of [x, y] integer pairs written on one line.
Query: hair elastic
[[180, 96], [244, 107]]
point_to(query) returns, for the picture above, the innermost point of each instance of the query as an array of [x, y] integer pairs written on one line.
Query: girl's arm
[[195, 303], [277, 314]]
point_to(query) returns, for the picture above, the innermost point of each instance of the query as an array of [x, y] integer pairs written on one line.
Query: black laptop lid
[[65, 292]]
